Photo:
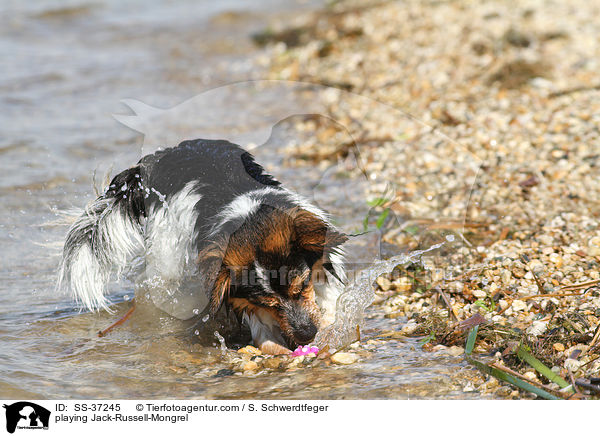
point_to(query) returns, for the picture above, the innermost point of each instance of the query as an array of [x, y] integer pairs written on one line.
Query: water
[[66, 67], [359, 295]]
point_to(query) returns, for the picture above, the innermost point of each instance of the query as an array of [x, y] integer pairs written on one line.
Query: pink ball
[[304, 350]]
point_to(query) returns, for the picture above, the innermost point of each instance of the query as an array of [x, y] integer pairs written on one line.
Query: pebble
[[558, 347], [344, 358], [594, 242], [404, 284], [506, 277], [593, 251], [518, 272], [249, 349], [504, 391], [536, 266], [384, 283], [409, 328], [456, 351], [250, 366], [273, 363], [556, 259], [572, 364], [469, 387], [537, 328], [177, 369], [519, 305]]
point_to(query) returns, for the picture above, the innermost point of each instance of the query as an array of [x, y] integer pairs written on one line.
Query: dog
[[212, 230]]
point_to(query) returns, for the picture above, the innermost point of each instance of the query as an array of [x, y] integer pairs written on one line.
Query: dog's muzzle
[[302, 326]]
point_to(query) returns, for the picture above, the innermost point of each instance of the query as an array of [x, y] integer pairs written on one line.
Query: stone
[[456, 351], [404, 284], [479, 293], [572, 364], [518, 272], [594, 242], [177, 369], [273, 363], [593, 251], [384, 283], [250, 366], [344, 358], [249, 349], [409, 328], [556, 259], [536, 266], [519, 305], [537, 328]]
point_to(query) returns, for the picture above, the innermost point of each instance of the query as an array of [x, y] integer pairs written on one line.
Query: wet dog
[[212, 229]]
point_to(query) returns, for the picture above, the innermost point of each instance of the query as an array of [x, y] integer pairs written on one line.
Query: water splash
[[358, 295], [221, 341]]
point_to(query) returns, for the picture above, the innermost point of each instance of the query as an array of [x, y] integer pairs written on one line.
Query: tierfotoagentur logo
[[26, 415]]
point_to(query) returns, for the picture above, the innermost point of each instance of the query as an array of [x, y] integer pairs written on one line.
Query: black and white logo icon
[[26, 415]]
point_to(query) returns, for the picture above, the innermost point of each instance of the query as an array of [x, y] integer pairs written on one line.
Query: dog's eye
[[310, 258]]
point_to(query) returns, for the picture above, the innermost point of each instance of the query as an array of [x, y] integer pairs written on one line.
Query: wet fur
[[206, 213]]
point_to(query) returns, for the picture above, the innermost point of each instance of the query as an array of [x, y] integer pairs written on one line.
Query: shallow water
[[70, 63]]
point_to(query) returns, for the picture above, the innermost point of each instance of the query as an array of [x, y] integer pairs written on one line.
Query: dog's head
[[268, 267]]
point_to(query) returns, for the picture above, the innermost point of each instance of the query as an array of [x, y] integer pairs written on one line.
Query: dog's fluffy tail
[[104, 239]]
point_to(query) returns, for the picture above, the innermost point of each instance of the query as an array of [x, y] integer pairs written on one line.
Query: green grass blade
[[540, 367], [501, 375], [382, 218], [471, 340]]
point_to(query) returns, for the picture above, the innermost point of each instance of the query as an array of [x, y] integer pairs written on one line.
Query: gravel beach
[[495, 153]]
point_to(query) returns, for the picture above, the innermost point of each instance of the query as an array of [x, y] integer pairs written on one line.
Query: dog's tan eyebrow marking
[[296, 287]]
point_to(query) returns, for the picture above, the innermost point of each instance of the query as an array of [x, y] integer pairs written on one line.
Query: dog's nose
[[303, 329], [305, 334]]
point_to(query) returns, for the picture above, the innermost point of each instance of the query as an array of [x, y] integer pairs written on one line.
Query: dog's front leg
[[266, 334]]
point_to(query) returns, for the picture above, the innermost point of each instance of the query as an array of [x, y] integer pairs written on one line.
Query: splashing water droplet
[[450, 238], [197, 332], [205, 317], [221, 341], [196, 311]]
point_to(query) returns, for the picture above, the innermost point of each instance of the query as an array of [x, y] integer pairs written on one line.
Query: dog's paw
[[270, 347]]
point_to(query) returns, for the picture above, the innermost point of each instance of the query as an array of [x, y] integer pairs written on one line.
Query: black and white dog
[[212, 229]]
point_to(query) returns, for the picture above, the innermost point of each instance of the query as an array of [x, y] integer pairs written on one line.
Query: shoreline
[[513, 95]]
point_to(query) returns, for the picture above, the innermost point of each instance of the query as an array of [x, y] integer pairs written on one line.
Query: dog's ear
[[216, 275], [315, 235], [220, 290]]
